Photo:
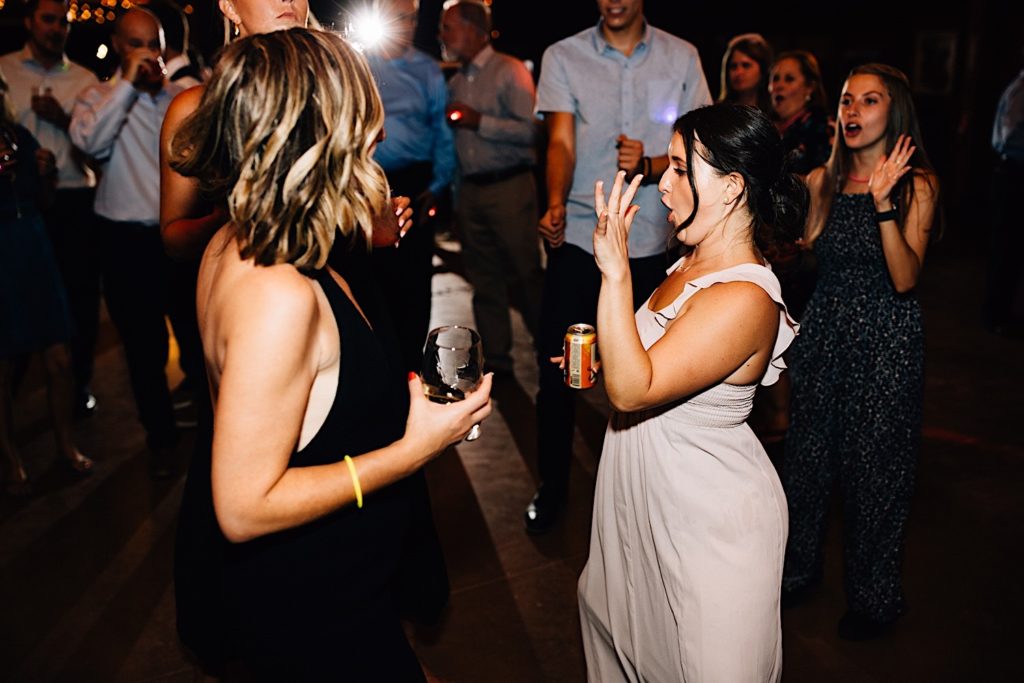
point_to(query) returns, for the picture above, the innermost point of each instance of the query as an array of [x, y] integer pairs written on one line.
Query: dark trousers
[[72, 227], [572, 283], [135, 282], [1006, 240], [404, 274], [498, 225]]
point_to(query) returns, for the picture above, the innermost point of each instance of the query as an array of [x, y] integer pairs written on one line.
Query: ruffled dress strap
[[763, 277]]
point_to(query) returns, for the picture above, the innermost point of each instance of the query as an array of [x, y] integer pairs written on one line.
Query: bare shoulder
[[279, 294], [739, 303], [814, 179], [738, 292], [183, 104], [254, 302]]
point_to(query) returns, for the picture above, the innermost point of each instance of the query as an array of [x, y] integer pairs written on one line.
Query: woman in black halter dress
[[317, 440]]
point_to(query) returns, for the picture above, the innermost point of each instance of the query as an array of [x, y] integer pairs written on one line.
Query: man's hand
[[46, 163], [424, 207], [48, 108], [552, 225], [461, 115], [143, 70], [631, 155]]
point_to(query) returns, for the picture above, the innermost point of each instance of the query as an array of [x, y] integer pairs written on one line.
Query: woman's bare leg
[[60, 395]]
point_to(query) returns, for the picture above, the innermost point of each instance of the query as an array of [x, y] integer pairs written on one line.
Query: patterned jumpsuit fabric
[[857, 394]]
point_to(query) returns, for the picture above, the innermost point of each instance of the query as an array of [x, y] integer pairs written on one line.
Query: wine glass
[[452, 366]]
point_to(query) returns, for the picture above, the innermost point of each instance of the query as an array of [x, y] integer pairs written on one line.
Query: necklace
[[851, 177]]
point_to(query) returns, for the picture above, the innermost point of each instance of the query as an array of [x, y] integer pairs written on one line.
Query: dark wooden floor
[[85, 567]]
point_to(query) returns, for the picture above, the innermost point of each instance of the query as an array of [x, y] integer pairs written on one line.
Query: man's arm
[[561, 164], [98, 115], [444, 143]]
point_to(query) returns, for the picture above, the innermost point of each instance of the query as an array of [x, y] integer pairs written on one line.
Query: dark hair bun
[[734, 138], [789, 203]]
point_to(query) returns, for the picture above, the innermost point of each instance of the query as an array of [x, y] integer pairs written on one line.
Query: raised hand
[[47, 107], [614, 219], [889, 170], [390, 227]]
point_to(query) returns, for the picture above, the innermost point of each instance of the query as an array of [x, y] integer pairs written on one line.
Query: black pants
[[572, 283], [135, 281], [72, 227], [404, 274], [1006, 239]]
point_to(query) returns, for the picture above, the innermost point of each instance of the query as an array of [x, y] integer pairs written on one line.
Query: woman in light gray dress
[[689, 529]]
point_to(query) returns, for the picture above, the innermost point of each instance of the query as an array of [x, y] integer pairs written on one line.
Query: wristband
[[355, 481], [890, 215]]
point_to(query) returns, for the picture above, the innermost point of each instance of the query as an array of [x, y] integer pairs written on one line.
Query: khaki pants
[[498, 225]]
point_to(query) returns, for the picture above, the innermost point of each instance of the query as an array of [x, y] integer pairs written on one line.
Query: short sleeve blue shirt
[[610, 94]]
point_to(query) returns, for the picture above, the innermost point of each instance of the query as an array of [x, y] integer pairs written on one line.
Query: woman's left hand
[[889, 170], [614, 219], [390, 228]]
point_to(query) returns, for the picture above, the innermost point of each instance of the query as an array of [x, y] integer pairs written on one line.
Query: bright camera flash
[[368, 29]]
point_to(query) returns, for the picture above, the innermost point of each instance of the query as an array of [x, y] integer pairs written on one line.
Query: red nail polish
[[411, 375]]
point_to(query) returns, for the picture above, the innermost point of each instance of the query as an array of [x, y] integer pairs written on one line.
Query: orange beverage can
[[580, 356]]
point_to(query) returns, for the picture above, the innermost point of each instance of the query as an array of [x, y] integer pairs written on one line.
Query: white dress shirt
[[120, 125], [65, 81], [180, 62]]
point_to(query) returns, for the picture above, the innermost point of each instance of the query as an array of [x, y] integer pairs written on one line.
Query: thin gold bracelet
[[355, 481]]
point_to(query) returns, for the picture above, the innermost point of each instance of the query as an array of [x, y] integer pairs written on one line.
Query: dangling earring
[[237, 30]]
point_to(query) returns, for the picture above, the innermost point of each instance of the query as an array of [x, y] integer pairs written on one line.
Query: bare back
[[235, 298]]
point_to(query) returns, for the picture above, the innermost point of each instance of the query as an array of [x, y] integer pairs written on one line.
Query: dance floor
[[86, 592]]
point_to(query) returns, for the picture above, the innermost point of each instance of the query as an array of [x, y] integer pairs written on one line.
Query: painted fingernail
[[411, 375]]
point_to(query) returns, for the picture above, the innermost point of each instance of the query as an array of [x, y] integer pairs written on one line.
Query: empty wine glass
[[452, 366]]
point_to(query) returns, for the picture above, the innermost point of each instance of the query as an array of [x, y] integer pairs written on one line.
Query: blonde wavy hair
[[284, 134]]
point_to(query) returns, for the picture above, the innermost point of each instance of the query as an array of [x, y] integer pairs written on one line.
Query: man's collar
[[481, 58], [179, 62], [27, 56], [600, 43]]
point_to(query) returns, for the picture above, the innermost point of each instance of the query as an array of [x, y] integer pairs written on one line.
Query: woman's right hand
[[432, 427], [614, 219], [889, 170]]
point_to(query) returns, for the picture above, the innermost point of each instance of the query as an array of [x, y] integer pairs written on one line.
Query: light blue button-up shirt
[[414, 93], [610, 94], [119, 125]]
